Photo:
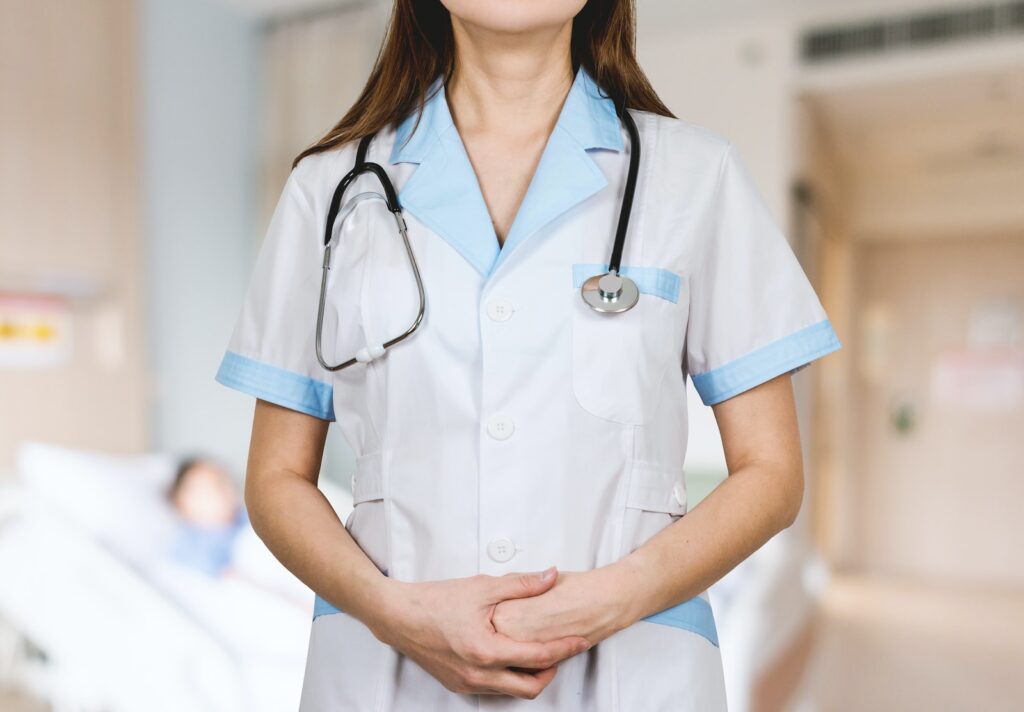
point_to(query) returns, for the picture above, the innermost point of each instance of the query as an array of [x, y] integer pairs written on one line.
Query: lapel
[[444, 193]]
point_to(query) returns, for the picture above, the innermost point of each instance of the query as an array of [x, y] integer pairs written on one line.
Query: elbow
[[792, 498], [253, 501]]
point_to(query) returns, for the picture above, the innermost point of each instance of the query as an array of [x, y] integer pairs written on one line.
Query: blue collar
[[443, 191]]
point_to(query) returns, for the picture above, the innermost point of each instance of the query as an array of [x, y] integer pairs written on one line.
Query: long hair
[[419, 46]]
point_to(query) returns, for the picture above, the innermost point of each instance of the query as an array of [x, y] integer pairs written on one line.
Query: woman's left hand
[[592, 604]]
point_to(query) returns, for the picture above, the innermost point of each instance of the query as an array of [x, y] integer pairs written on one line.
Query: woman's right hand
[[445, 626]]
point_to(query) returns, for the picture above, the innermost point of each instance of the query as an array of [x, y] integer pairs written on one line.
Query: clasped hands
[[500, 634]]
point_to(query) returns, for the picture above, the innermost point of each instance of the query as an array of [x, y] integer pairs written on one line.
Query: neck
[[512, 84]]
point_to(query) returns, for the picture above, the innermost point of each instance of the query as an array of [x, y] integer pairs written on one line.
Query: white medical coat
[[517, 428]]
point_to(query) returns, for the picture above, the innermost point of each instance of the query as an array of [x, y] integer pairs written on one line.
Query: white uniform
[[517, 428]]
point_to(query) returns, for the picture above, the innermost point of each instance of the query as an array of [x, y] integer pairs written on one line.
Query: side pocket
[[368, 478], [367, 523], [656, 488], [655, 499]]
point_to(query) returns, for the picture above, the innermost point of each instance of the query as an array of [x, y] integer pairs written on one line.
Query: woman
[[518, 531]]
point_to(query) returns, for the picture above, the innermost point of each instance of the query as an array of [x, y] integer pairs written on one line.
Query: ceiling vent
[[920, 29]]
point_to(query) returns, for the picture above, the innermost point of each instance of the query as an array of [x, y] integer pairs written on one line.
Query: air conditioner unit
[[910, 31]]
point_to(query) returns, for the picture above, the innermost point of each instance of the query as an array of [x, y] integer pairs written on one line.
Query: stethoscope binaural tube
[[390, 197], [611, 293]]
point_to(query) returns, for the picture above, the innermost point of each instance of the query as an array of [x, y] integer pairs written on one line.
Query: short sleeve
[[753, 313], [271, 353]]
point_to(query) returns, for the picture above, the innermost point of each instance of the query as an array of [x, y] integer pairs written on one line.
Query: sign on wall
[[35, 330]]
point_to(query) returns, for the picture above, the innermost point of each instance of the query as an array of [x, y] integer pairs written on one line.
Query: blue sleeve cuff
[[780, 356], [277, 385]]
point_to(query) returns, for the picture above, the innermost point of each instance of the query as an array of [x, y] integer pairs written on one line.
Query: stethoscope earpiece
[[610, 293]]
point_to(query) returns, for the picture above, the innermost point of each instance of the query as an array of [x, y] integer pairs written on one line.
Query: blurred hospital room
[[143, 146]]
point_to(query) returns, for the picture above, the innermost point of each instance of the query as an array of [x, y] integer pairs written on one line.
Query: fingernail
[[582, 646], [547, 574]]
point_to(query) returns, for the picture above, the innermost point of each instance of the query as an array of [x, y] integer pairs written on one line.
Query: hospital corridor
[[923, 477], [144, 149]]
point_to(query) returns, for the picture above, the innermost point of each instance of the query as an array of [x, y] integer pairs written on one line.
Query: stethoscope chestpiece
[[610, 293]]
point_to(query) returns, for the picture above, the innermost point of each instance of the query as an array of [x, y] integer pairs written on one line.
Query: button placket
[[498, 523]]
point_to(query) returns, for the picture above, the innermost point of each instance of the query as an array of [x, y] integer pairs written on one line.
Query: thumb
[[520, 585]]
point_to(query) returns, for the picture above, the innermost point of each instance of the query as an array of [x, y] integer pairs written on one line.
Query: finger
[[535, 655], [525, 685], [523, 585]]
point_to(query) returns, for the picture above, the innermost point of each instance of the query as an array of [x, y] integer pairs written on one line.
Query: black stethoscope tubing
[[615, 262], [602, 297]]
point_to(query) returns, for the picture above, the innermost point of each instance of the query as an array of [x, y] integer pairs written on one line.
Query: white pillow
[[119, 499]]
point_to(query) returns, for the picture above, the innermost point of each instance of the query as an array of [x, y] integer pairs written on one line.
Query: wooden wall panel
[[69, 217]]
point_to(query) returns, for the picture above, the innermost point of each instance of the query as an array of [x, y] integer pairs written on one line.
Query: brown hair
[[419, 45]]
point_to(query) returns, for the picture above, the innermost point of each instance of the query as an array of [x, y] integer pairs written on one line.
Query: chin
[[514, 16]]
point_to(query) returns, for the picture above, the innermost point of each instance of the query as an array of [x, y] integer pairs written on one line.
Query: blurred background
[[143, 145]]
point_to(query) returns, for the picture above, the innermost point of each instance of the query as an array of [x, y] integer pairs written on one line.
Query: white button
[[500, 427], [679, 492], [499, 309], [501, 550]]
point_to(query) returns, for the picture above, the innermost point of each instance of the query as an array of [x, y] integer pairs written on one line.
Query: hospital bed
[[122, 627]]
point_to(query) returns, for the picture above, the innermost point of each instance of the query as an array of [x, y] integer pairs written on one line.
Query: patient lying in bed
[[151, 564], [213, 534], [210, 515]]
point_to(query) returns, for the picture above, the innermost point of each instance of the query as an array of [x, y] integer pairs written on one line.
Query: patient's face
[[207, 496]]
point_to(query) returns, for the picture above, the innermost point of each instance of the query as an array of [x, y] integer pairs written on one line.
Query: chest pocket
[[618, 360]]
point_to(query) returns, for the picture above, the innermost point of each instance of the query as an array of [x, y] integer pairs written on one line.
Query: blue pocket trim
[[649, 280], [277, 385], [780, 356], [694, 615]]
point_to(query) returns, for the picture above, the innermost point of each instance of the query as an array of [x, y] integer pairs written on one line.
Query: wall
[[200, 99], [69, 219], [739, 74]]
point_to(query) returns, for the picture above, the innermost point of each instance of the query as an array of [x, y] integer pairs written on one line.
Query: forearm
[[300, 527], [753, 504]]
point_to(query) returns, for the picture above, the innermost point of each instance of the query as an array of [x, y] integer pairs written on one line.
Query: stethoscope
[[608, 293]]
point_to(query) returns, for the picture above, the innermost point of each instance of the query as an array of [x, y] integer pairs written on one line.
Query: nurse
[[520, 537]]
